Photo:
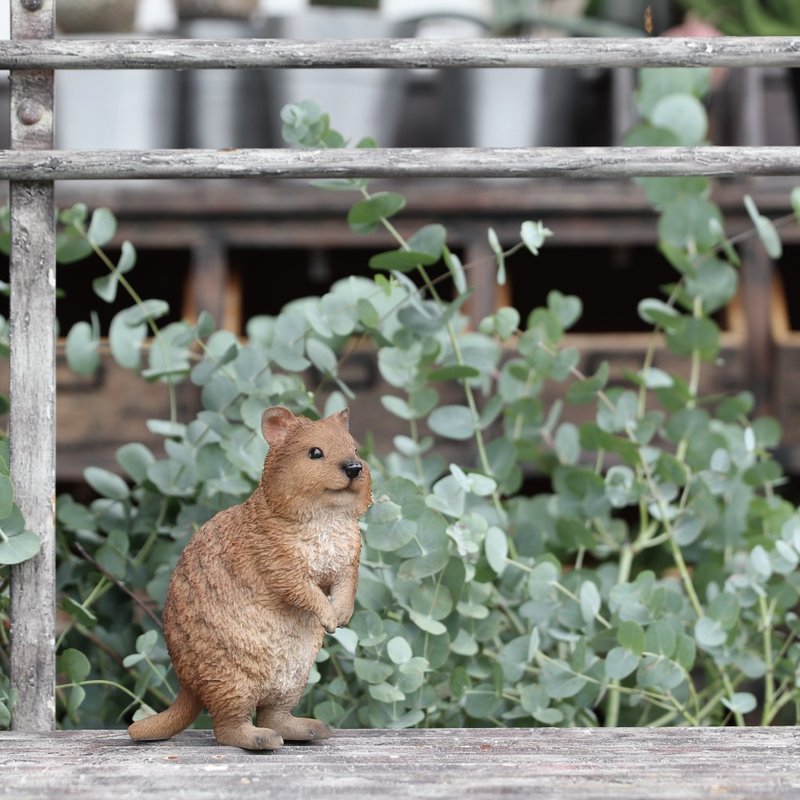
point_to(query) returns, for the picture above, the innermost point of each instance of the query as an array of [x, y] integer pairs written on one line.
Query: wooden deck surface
[[542, 763]]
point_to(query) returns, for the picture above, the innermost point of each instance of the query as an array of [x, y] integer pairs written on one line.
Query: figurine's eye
[[315, 452]]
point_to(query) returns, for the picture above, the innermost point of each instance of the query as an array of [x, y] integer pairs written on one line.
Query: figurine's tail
[[182, 713]]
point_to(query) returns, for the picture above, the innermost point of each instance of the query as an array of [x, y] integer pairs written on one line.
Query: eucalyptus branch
[[118, 583], [136, 297]]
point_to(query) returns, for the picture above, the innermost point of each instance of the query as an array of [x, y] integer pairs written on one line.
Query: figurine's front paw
[[328, 620], [343, 616]]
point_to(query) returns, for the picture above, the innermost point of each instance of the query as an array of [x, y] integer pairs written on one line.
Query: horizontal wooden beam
[[449, 764], [155, 53], [444, 162]]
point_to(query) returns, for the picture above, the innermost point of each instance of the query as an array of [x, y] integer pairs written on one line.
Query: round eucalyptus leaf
[[533, 235], [71, 248], [540, 580], [456, 269], [482, 702], [453, 422], [567, 308], [146, 642], [660, 638], [655, 378], [135, 458], [106, 483], [448, 497], [548, 716], [430, 240], [715, 282], [347, 638], [399, 366], [686, 222], [365, 215], [567, 443], [433, 601], [74, 664], [683, 115], [658, 672], [126, 341], [399, 650], [414, 569], [386, 693], [657, 312], [82, 351], [709, 633], [620, 663], [590, 601], [401, 260], [560, 681], [321, 356], [687, 528], [631, 636], [464, 644], [105, 287], [372, 671], [146, 310], [102, 227], [656, 83], [171, 478], [18, 548], [765, 229], [397, 406], [338, 314], [496, 549], [695, 335], [740, 702]]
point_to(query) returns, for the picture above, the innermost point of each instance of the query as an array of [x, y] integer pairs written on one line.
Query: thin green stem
[[769, 675], [468, 393], [614, 694], [100, 682], [136, 297]]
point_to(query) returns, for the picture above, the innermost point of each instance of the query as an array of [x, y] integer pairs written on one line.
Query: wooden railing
[[32, 165]]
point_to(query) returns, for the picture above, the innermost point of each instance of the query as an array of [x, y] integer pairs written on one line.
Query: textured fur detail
[[257, 585]]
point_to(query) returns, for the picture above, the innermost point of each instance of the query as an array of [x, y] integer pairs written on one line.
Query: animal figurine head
[[312, 461], [259, 583]]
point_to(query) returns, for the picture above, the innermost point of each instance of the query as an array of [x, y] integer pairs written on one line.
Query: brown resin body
[[257, 585]]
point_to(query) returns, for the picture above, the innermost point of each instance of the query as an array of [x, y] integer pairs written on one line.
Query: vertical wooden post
[[32, 384]]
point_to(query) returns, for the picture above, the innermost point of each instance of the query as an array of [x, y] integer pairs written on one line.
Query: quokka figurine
[[256, 586]]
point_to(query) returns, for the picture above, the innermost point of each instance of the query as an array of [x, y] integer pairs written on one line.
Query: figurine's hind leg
[[233, 726], [293, 729]]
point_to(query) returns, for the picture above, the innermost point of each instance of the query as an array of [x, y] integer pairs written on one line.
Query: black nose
[[352, 469]]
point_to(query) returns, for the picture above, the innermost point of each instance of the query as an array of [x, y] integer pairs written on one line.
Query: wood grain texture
[[734, 51], [436, 162], [541, 763], [32, 387]]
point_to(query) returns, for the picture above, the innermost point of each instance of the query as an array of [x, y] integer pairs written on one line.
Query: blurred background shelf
[[244, 248]]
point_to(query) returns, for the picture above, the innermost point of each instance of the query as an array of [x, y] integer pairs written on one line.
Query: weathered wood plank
[[438, 162], [545, 763], [736, 51], [32, 386]]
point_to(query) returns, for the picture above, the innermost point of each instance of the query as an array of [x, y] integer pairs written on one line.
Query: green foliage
[[654, 582], [749, 17]]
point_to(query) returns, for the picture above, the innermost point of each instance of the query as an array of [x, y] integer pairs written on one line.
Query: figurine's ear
[[343, 418], [276, 422]]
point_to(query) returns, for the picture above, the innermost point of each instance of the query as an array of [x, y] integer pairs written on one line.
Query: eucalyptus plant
[[748, 17], [654, 583]]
